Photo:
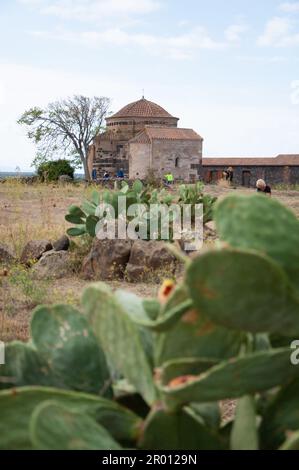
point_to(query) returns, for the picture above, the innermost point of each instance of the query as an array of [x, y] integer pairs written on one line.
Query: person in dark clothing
[[262, 187], [120, 173], [230, 172], [94, 174]]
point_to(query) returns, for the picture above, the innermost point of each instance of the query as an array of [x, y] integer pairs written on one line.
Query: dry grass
[[35, 212]]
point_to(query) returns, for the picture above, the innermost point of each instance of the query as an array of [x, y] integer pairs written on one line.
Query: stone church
[[143, 136]]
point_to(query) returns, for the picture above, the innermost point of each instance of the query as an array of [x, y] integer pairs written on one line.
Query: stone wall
[[110, 155], [248, 175], [111, 149], [139, 160], [131, 127], [180, 157]]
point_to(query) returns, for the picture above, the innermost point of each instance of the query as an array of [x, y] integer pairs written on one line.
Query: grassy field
[[37, 212]]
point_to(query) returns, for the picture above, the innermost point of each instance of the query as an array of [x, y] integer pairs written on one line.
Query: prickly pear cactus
[[17, 406], [122, 339], [184, 430], [172, 359], [54, 427], [244, 290], [263, 225], [63, 353]]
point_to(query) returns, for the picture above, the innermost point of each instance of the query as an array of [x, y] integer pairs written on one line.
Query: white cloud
[[234, 32], [92, 10], [289, 7], [182, 46], [31, 2], [262, 59], [279, 32]]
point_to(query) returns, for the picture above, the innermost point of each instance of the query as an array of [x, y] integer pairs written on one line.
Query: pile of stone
[[46, 259], [135, 261]]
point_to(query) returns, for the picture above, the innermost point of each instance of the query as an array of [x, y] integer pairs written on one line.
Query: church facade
[[144, 137]]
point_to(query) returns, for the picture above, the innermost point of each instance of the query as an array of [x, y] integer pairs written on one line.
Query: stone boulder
[[34, 250], [210, 234], [53, 265], [6, 254], [107, 259], [65, 179], [211, 225], [62, 244], [150, 260]]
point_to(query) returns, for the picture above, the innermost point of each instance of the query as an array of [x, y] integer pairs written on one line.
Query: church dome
[[142, 109]]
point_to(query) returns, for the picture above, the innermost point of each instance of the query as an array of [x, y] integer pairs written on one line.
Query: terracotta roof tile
[[165, 133], [141, 138], [107, 135], [280, 160], [141, 108]]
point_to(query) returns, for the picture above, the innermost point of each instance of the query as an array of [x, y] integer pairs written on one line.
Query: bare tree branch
[[67, 127]]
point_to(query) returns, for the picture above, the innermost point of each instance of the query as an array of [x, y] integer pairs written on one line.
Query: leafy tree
[[67, 127], [54, 169]]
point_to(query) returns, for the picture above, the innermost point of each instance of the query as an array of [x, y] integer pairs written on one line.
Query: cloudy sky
[[229, 69]]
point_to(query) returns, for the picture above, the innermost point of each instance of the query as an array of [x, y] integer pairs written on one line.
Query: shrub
[[52, 170]]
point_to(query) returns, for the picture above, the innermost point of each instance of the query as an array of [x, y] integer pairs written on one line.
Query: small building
[[165, 150], [143, 136], [281, 169]]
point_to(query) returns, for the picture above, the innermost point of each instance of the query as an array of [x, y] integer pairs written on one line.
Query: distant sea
[[13, 174]]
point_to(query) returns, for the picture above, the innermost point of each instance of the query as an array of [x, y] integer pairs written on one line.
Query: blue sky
[[229, 69]]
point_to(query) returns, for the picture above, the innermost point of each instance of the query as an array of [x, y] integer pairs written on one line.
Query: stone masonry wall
[[248, 175], [139, 160], [181, 158]]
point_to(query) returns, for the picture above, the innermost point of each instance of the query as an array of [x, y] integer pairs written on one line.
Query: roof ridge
[[142, 108], [279, 160]]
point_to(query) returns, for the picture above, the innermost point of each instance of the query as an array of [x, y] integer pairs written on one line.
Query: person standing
[[230, 174], [120, 174], [94, 174], [170, 178]]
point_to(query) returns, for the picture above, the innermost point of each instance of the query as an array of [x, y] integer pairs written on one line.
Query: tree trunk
[[85, 167]]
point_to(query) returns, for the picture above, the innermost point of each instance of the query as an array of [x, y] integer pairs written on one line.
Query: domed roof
[[142, 108]]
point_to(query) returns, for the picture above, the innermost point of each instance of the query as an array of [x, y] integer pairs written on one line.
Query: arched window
[[177, 162]]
